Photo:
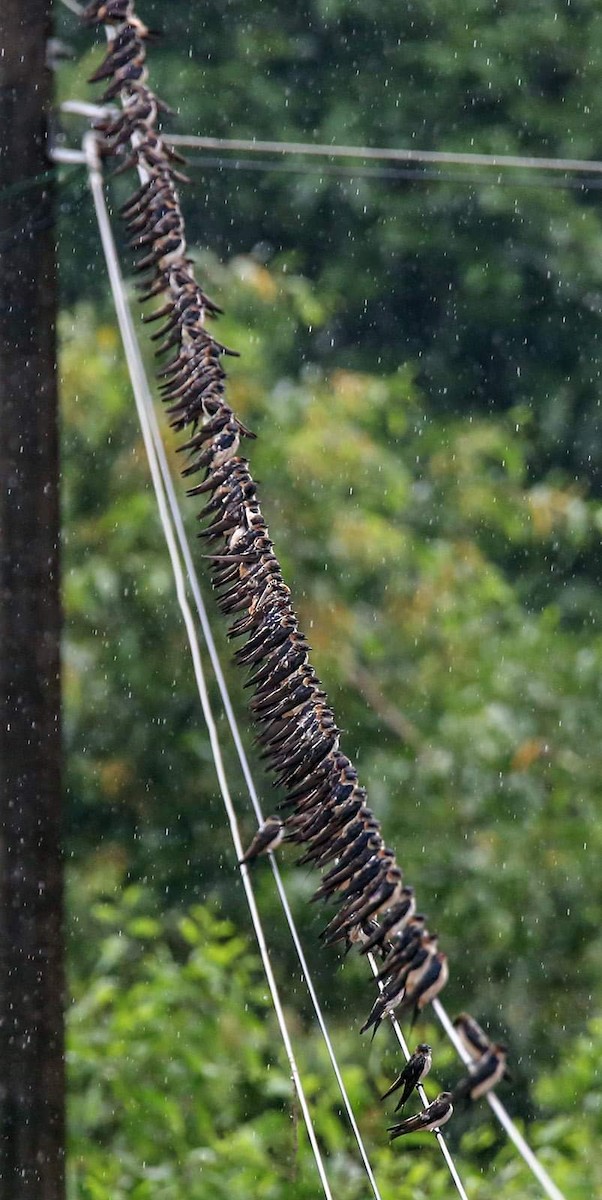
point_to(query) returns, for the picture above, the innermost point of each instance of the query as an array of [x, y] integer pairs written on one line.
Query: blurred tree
[[490, 282], [182, 1088], [473, 717]]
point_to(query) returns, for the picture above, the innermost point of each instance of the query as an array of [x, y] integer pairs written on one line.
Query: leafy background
[[420, 359]]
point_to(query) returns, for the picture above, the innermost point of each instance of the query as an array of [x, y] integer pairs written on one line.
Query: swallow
[[432, 1117], [473, 1038], [486, 1073], [415, 1070], [348, 873], [402, 946], [321, 829], [366, 840], [430, 982], [268, 837], [384, 1006], [395, 918], [340, 830], [381, 893], [358, 934], [389, 998], [418, 961], [321, 853]]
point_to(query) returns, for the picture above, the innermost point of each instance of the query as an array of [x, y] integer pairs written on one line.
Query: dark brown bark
[[31, 960]]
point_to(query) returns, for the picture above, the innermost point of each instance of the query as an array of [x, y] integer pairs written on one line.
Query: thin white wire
[[500, 1111], [133, 354], [380, 154], [421, 1092], [385, 153], [143, 401], [231, 718], [338, 151], [228, 709]]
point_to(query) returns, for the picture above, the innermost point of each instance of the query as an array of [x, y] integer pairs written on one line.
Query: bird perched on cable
[[432, 977], [268, 837], [415, 1070], [473, 1038], [484, 1075], [384, 1005], [394, 919], [432, 1117]]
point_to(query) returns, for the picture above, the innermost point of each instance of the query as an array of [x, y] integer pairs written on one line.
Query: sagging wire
[[428, 156], [182, 538], [497, 1107], [229, 711], [136, 370], [499, 1110], [421, 1092], [144, 402]]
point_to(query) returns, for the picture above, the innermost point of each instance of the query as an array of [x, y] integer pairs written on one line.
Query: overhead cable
[[499, 1111], [138, 384], [526, 162]]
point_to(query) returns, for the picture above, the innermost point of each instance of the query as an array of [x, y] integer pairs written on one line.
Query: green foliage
[[419, 359], [490, 282], [469, 688], [180, 1088]]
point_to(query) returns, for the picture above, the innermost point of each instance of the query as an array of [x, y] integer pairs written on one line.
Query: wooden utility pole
[[31, 958]]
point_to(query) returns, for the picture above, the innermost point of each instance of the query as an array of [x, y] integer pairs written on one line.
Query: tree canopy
[[419, 359]]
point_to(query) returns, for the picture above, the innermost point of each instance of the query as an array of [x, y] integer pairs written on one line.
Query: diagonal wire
[[231, 718], [150, 425], [421, 1092], [499, 1110], [146, 399], [133, 355], [90, 145], [497, 1107]]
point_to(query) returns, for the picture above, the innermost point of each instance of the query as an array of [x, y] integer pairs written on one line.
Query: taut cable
[[137, 377]]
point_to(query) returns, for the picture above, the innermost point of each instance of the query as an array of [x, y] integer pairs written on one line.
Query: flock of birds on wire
[[324, 810]]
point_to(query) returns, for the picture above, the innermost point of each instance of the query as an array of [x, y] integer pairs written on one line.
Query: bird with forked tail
[[415, 1070], [267, 838], [431, 1118]]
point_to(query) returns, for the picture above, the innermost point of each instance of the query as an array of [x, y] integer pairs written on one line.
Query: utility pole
[[31, 952]]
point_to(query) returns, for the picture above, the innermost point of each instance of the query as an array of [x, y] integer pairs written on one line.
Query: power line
[[368, 153], [407, 156], [138, 384], [498, 1109], [386, 154], [451, 1166], [415, 175], [144, 401], [231, 718], [330, 170]]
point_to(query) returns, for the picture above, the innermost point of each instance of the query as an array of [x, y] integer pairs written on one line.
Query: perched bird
[[473, 1038], [431, 979], [395, 919], [358, 935], [384, 1005], [415, 1070], [484, 1075], [268, 837], [432, 1117]]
